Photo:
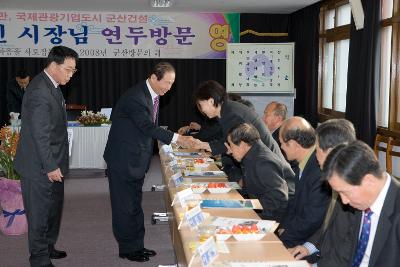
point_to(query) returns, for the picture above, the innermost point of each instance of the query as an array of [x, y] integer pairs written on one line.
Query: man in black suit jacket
[[15, 91], [211, 99], [340, 220], [354, 172], [307, 209], [128, 153], [265, 174], [42, 154]]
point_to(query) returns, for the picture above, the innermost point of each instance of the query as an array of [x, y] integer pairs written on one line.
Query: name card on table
[[194, 217], [166, 148], [182, 196], [177, 178], [207, 252], [173, 163]]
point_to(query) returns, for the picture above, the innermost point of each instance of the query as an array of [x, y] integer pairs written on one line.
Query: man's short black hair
[[351, 162], [58, 54], [245, 132], [334, 132], [304, 137], [22, 73]]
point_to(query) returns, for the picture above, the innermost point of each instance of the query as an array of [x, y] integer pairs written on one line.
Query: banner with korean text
[[118, 35]]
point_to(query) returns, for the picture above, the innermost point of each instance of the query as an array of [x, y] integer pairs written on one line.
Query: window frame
[[393, 128], [325, 36]]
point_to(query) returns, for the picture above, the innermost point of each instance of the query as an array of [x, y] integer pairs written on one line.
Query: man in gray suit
[[42, 154]]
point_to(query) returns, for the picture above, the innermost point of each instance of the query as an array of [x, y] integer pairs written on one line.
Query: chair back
[[390, 153], [379, 141]]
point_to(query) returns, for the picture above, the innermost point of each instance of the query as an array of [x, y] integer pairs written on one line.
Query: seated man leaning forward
[[306, 210], [265, 174], [354, 172]]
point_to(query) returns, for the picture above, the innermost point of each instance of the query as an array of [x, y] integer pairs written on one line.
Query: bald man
[[306, 210], [275, 114]]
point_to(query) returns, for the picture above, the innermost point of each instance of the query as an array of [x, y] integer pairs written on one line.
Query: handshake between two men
[[190, 142]]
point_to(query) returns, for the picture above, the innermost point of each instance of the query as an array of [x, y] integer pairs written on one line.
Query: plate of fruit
[[218, 188], [247, 232], [223, 233], [198, 188]]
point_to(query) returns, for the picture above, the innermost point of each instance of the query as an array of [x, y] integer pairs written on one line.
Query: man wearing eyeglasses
[[42, 154]]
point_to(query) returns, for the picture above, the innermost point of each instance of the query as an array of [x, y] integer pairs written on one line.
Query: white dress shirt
[[153, 97], [376, 208]]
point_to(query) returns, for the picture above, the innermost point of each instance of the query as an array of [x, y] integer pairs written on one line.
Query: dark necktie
[[155, 108], [363, 241]]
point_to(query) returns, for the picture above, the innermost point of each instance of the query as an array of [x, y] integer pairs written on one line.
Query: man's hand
[[299, 252], [195, 126], [202, 145], [186, 141], [55, 176], [183, 130]]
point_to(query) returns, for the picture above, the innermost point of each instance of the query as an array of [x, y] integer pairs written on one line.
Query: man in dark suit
[[265, 174], [128, 153], [42, 154], [340, 220], [307, 209], [211, 99], [15, 91], [354, 172]]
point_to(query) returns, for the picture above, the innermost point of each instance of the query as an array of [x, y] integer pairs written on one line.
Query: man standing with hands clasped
[[42, 154], [128, 153]]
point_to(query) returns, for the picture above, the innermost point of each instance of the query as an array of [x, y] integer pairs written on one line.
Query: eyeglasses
[[68, 70]]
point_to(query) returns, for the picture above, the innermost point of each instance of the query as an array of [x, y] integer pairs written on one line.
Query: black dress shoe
[[57, 254], [134, 256], [148, 252], [49, 265]]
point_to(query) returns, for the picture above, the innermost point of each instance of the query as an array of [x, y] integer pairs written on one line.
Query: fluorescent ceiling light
[[161, 3]]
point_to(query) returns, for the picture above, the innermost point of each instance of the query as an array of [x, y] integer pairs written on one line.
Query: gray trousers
[[43, 202]]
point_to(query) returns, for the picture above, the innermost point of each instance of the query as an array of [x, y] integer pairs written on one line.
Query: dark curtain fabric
[[100, 82], [304, 31], [264, 23], [363, 73]]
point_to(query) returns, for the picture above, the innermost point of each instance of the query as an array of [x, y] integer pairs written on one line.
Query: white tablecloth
[[88, 147]]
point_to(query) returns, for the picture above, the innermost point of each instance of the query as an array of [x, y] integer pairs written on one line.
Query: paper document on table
[[187, 154], [231, 203], [205, 173], [267, 264]]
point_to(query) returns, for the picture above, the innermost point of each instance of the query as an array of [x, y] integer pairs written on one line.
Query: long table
[[88, 147], [270, 248]]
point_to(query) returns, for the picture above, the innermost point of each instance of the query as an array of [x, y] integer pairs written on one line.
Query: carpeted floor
[[86, 232]]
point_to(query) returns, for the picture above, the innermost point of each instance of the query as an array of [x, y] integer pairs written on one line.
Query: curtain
[[363, 81], [304, 31]]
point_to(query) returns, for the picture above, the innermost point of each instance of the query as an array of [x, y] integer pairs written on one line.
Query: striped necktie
[[155, 108], [364, 237]]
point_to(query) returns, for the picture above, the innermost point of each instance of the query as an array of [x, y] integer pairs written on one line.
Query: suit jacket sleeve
[[275, 191], [41, 127], [304, 223], [141, 117]]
